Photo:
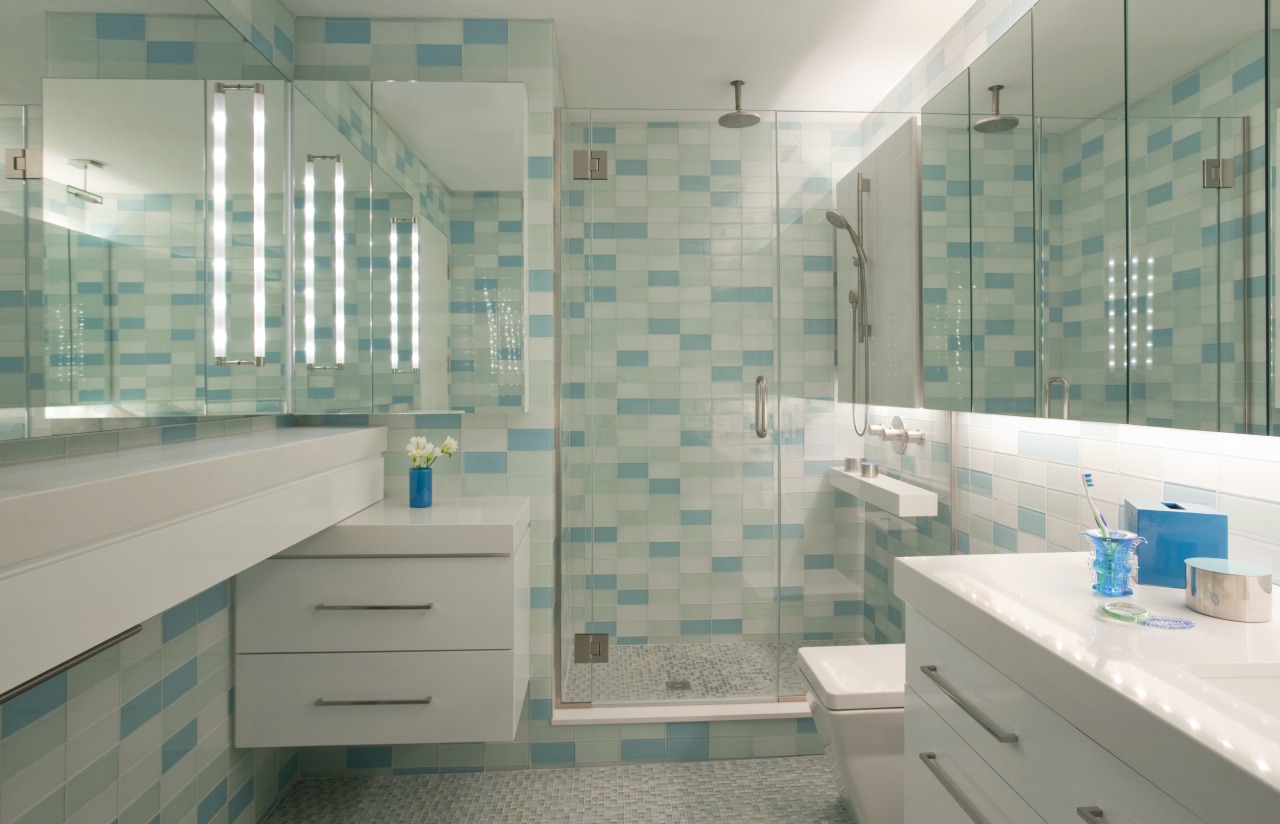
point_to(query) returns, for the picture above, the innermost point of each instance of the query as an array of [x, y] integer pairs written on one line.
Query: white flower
[[423, 453]]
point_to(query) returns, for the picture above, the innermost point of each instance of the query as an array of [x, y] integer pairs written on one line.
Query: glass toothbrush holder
[[1115, 560]]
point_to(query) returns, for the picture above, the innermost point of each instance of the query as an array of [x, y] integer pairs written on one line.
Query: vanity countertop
[[451, 526], [1137, 691]]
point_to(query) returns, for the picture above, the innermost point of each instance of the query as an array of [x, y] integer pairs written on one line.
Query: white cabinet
[[397, 626], [1060, 772]]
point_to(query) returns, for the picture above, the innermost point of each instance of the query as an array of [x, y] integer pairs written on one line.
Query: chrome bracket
[[1218, 173], [591, 648]]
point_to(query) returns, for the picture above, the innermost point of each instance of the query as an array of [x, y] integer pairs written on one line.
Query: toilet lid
[[856, 677]]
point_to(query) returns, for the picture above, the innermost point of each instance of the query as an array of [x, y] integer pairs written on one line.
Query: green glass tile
[[33, 742], [180, 805], [48, 811], [144, 808], [91, 782]]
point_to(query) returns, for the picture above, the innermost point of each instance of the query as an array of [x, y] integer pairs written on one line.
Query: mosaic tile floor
[[761, 791], [640, 674]]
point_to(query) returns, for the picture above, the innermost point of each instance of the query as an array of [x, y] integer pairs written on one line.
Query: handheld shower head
[[841, 222]]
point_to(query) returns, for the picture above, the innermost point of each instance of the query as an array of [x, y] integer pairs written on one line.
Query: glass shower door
[[13, 285], [670, 273]]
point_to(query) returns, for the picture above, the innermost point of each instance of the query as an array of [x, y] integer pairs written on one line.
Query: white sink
[[1255, 684]]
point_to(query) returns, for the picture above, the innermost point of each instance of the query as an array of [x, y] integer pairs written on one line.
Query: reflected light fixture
[[220, 231], [83, 193], [394, 259], [309, 263]]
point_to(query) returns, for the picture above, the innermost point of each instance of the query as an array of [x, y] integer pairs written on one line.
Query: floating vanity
[[1025, 704], [395, 626], [95, 544]]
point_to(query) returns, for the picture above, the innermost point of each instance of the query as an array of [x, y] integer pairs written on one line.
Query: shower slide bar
[[50, 674]]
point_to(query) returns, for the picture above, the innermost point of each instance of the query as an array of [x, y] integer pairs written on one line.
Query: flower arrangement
[[423, 453]]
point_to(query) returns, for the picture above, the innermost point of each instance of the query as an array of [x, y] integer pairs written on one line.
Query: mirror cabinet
[[1095, 219]]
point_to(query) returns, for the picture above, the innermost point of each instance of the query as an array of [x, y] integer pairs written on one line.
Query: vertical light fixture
[[309, 263], [220, 229], [394, 258]]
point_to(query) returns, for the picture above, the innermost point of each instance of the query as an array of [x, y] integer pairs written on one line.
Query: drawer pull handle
[[975, 713], [931, 761], [373, 702], [1093, 815], [375, 606]]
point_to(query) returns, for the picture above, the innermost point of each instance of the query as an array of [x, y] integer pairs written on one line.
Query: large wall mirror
[[1116, 200], [164, 247]]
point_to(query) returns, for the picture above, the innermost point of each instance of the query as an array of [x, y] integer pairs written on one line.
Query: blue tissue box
[[1174, 533]]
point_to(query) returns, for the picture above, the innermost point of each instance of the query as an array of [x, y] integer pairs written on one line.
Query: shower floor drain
[[679, 684]]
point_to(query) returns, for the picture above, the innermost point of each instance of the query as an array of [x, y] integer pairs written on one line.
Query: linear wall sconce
[[309, 263], [220, 230], [414, 313]]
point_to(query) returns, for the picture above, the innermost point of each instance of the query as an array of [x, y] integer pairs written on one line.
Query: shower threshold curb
[[655, 713]]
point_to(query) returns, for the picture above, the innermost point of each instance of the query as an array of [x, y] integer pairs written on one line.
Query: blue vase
[[420, 487]]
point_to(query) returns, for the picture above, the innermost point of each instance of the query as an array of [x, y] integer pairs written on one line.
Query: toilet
[[855, 694]]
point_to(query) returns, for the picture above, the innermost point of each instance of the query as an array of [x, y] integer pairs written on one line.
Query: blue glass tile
[[484, 463], [664, 486], [726, 564], [690, 437], [1160, 138], [820, 561], [240, 801], [32, 705], [695, 342], [1004, 537], [819, 263], [178, 683], [695, 517], [283, 44], [726, 167], [1031, 520], [631, 167], [664, 549], [633, 357], [212, 803], [695, 246], [688, 749], [662, 277], [695, 183], [178, 746], [530, 440], [633, 597], [433, 54], [1244, 77], [121, 27], [368, 758], [1185, 146], [541, 326], [643, 749], [597, 582], [552, 752], [1186, 88], [179, 52], [1091, 147], [726, 373], [633, 470], [347, 30], [181, 618], [484, 32], [695, 627]]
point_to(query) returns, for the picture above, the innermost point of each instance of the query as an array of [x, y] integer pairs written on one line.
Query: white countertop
[[451, 526], [51, 507], [1128, 687]]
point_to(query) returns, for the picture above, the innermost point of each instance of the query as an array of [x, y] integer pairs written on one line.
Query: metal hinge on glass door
[[590, 165], [23, 164], [1218, 173], [591, 648]]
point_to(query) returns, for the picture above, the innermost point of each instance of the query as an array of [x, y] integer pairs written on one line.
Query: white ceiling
[[838, 55]]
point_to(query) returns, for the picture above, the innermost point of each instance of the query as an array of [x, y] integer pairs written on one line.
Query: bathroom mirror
[[946, 276], [1080, 210], [1196, 103], [450, 170], [1002, 216], [131, 248]]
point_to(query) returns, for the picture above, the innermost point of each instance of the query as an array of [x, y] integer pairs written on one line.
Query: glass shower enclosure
[[699, 534]]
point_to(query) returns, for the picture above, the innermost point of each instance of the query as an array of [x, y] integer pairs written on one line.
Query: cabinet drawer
[[474, 696], [1053, 765], [305, 605], [929, 799]]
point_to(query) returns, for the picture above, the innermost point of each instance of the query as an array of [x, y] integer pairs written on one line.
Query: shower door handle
[[1066, 396], [762, 407]]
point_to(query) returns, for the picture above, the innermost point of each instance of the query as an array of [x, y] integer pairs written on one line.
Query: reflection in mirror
[[1002, 191], [1196, 94], [1081, 209], [397, 249], [13, 285], [332, 368], [132, 320], [946, 285], [468, 184]]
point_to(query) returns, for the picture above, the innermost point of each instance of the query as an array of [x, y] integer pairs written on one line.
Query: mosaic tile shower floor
[[740, 670], [798, 790]]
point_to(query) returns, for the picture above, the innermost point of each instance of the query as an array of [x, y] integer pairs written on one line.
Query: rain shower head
[[738, 119], [995, 122], [841, 222]]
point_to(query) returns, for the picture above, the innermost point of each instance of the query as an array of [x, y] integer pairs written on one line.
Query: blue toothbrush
[[1087, 477]]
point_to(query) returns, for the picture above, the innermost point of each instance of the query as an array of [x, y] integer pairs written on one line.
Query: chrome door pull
[[762, 407], [373, 702], [976, 714], [931, 761], [1066, 396], [374, 606], [1093, 815]]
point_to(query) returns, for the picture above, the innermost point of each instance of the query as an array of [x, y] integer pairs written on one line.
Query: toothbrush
[[1087, 478]]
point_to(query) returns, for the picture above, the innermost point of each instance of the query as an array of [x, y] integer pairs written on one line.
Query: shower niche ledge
[[890, 494]]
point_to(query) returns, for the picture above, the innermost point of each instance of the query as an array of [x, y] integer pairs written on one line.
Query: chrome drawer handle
[[373, 702], [1093, 815], [375, 606], [931, 761], [975, 713]]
